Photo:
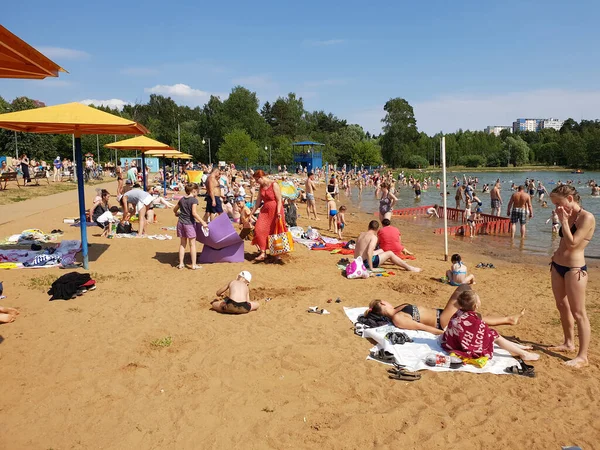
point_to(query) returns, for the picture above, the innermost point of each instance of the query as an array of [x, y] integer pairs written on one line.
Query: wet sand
[[84, 373]]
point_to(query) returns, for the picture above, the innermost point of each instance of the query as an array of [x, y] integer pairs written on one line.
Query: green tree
[[399, 129], [238, 148], [366, 153], [240, 111], [519, 150], [287, 116]]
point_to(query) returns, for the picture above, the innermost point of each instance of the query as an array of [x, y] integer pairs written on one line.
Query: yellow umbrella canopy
[[76, 119], [69, 118], [182, 156], [141, 143], [167, 153], [18, 59]]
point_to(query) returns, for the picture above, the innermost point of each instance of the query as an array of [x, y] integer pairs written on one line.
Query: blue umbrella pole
[[165, 176], [81, 195], [144, 170]]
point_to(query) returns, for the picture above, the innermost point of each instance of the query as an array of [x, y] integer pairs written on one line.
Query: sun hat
[[246, 275]]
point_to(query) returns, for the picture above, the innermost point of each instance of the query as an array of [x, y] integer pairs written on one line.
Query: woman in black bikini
[[568, 270], [432, 320]]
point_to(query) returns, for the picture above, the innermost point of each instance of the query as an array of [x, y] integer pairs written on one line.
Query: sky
[[460, 64]]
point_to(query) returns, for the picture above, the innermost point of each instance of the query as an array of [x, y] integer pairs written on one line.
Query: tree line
[[240, 130]]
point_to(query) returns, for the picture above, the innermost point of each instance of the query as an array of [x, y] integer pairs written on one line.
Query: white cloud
[[323, 43], [140, 71], [449, 113], [63, 53], [475, 112], [178, 90], [112, 103]]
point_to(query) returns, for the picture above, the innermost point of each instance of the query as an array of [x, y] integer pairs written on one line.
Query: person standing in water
[[568, 271], [496, 199], [518, 207]]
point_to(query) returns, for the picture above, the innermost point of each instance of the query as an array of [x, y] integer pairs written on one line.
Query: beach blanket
[[64, 253], [412, 355]]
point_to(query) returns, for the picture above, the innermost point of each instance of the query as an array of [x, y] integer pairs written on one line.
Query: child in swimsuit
[[341, 221], [238, 300], [332, 213], [457, 274], [555, 222]]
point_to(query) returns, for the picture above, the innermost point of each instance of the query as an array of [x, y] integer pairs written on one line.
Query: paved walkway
[[21, 210]]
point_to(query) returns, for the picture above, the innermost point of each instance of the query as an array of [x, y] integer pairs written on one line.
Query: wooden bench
[[6, 177], [41, 175]]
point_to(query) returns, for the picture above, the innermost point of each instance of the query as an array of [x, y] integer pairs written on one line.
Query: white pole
[[178, 137], [98, 147], [445, 197], [16, 147]]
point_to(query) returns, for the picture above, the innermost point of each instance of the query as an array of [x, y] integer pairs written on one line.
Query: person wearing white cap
[[238, 300]]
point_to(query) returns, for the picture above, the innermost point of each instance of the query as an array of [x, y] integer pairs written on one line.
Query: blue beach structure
[[308, 154]]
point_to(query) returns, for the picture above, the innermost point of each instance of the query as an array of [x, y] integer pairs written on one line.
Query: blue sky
[[461, 64]]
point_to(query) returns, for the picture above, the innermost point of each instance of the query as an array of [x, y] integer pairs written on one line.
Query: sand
[[85, 374]]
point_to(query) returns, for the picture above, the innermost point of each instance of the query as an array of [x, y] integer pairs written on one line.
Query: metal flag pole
[[81, 194], [16, 147], [445, 197], [74, 163]]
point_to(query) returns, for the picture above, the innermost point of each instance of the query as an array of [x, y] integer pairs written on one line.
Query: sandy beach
[[84, 373]]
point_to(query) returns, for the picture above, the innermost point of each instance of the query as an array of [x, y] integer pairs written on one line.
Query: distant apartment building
[[552, 123], [496, 129], [536, 124]]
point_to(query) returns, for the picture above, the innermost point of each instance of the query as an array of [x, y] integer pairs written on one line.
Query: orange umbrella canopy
[[142, 143], [69, 118], [18, 59]]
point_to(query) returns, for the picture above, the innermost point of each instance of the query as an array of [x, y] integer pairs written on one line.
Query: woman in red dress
[[270, 213]]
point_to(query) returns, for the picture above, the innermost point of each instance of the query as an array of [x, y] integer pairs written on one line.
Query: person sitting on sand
[[432, 211], [469, 336], [418, 317], [457, 274], [389, 239], [365, 247], [8, 315], [238, 300]]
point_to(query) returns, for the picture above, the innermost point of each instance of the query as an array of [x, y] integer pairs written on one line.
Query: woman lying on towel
[[468, 336], [432, 320]]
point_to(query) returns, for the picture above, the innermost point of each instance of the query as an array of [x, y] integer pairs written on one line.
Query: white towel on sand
[[412, 355]]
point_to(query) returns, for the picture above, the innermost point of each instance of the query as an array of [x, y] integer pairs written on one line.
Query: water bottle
[[441, 360]]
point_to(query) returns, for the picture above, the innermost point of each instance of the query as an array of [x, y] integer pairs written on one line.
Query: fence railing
[[485, 224]]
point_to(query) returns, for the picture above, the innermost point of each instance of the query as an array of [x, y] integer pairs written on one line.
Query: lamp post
[[270, 163], [209, 157]]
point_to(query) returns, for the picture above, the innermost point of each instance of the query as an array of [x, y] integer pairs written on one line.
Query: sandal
[[194, 267], [181, 266], [522, 368], [260, 257], [383, 356], [404, 375]]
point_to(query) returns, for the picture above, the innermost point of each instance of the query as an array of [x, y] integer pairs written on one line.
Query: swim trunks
[[233, 307], [333, 212], [310, 196], [495, 203], [417, 192], [518, 215], [375, 261], [217, 209]]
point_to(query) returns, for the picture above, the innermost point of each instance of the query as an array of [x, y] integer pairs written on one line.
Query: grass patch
[[164, 342], [99, 277], [15, 195], [42, 283]]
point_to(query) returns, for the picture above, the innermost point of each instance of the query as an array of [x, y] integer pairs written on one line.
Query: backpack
[[124, 228]]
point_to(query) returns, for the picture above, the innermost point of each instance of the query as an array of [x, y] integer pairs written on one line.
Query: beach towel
[[412, 355]]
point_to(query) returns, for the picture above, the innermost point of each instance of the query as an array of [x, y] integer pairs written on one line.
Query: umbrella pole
[[165, 176], [144, 170], [81, 194]]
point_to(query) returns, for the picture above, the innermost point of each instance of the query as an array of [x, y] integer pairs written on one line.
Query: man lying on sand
[[365, 247], [238, 300], [8, 315]]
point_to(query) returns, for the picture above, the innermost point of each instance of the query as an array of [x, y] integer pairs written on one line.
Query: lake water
[[539, 240]]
